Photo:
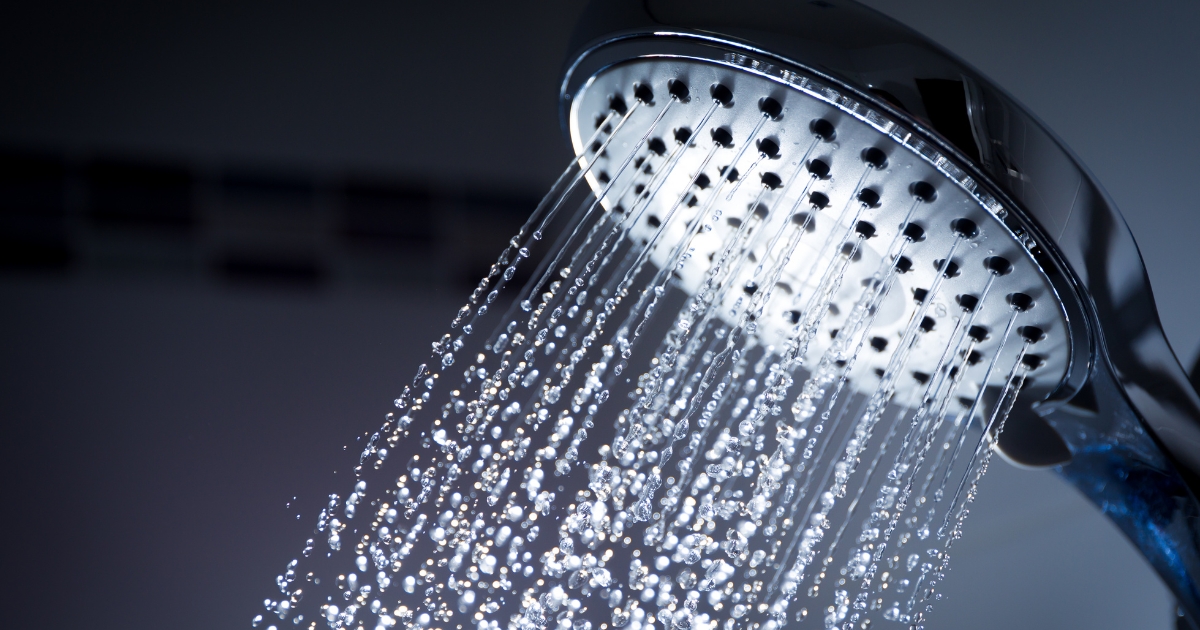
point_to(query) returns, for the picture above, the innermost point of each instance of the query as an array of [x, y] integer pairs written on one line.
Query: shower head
[[1103, 399], [823, 148], [819, 272]]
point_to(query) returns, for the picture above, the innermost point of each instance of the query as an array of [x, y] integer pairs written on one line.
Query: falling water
[[627, 448]]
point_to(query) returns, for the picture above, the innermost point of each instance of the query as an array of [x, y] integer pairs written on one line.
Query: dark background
[[229, 231]]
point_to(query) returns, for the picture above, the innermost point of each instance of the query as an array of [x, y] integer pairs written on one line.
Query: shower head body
[[1110, 407]]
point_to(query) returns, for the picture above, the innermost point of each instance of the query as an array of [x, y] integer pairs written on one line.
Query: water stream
[[613, 447]]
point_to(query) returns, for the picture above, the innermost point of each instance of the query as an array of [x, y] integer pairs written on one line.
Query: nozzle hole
[[721, 136], [997, 265], [678, 90], [771, 180], [822, 129], [1032, 334], [1020, 301], [769, 147], [868, 197], [950, 270], [805, 219], [721, 94], [643, 93], [818, 168], [965, 228], [875, 158], [923, 191], [914, 232], [770, 108]]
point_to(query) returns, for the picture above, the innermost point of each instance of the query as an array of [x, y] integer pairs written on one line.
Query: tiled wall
[[246, 225]]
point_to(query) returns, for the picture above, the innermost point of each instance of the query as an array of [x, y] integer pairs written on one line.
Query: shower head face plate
[[781, 183]]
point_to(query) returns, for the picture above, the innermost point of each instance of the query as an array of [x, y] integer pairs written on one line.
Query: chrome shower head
[[820, 271], [1105, 402], [843, 175], [858, 259]]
